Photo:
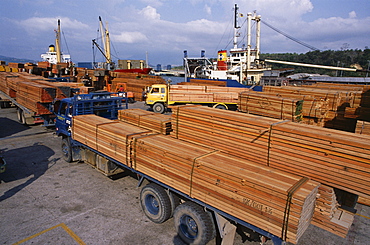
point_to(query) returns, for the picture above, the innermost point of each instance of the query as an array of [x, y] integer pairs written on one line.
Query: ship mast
[[236, 27], [57, 43], [106, 41]]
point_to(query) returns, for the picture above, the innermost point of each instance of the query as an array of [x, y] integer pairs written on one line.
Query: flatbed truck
[[25, 115], [163, 96], [195, 221]]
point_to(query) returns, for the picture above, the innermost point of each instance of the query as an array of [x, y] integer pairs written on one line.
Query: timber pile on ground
[[328, 215], [158, 123], [205, 93], [271, 106], [346, 103], [135, 82], [363, 127], [359, 106], [278, 202], [338, 159]]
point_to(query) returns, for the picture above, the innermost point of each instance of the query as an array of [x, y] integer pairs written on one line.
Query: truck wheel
[[222, 107], [193, 224], [158, 108], [66, 150], [155, 203], [20, 116]]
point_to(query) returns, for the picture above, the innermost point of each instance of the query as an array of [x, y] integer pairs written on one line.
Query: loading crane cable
[[290, 37], [65, 40]]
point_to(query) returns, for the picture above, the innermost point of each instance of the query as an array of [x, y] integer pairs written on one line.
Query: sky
[[162, 29]]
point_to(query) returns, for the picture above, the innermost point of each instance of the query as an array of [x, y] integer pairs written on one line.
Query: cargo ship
[[54, 54]]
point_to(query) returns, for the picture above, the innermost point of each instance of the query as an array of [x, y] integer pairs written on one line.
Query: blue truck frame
[[106, 105]]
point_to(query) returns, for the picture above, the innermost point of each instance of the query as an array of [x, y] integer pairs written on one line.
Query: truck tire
[[193, 224], [159, 108], [20, 116], [67, 150], [222, 107], [155, 203]]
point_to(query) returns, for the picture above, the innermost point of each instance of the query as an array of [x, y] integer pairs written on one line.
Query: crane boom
[[310, 65]]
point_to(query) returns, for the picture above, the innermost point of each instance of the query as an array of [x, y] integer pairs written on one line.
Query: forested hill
[[346, 58]]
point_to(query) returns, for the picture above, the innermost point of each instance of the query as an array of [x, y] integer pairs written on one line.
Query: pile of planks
[[205, 93], [158, 123], [112, 138], [136, 83], [357, 105], [203, 82], [270, 106], [363, 127], [34, 92], [278, 202], [328, 215], [332, 157]]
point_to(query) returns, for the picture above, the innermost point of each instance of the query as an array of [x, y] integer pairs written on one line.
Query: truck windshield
[[154, 90]]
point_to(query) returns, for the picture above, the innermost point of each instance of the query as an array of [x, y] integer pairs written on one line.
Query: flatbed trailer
[[154, 203], [25, 115], [195, 220]]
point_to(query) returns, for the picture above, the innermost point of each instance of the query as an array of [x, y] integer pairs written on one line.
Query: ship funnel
[[51, 48], [222, 60], [202, 53]]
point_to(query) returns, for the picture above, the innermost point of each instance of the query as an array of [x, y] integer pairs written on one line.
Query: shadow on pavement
[[27, 162], [10, 127]]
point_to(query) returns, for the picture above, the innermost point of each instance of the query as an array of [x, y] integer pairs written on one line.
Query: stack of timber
[[270, 106], [135, 83], [363, 127], [203, 82], [34, 92], [112, 138], [337, 100], [328, 215], [8, 88], [153, 121], [205, 93], [277, 202], [332, 157], [358, 107]]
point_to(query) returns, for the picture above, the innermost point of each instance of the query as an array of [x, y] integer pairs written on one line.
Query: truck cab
[[102, 104], [157, 97]]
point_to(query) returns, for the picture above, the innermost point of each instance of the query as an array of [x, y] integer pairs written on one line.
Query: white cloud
[[150, 13], [129, 37], [37, 24], [352, 15], [208, 10]]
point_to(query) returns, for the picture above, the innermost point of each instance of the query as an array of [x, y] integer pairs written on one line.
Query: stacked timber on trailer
[[278, 202], [158, 123], [203, 82], [271, 106], [34, 92], [205, 93], [338, 159], [135, 83]]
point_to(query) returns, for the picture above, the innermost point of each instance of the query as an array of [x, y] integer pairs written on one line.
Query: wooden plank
[[332, 157]]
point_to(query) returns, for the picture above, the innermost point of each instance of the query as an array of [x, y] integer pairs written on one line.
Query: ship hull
[[140, 71]]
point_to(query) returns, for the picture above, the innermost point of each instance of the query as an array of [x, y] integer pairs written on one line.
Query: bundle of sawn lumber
[[276, 201]]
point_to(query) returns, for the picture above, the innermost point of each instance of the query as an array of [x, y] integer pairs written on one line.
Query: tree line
[[356, 58]]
